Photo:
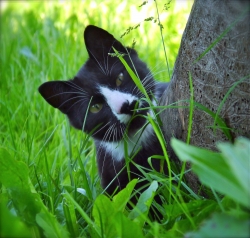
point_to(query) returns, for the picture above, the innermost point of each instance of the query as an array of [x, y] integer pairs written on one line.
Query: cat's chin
[[122, 131], [134, 140], [136, 124]]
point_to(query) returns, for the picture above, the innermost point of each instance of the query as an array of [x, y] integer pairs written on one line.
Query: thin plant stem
[[164, 47]]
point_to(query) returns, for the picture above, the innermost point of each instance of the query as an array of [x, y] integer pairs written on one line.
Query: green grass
[[49, 181]]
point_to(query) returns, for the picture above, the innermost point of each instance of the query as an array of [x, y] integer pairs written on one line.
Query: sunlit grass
[[50, 184], [43, 41]]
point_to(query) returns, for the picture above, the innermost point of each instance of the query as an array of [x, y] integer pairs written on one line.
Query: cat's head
[[102, 95]]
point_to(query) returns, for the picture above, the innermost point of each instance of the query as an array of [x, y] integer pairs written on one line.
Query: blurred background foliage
[[55, 28]]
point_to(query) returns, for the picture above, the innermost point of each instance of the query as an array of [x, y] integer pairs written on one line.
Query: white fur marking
[[115, 99], [116, 149]]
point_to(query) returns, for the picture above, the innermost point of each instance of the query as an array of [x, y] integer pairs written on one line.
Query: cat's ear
[[61, 95], [57, 94], [99, 43]]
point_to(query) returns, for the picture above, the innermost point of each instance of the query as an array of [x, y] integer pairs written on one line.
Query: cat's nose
[[128, 108]]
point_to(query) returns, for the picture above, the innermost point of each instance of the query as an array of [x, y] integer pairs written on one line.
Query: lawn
[[49, 181]]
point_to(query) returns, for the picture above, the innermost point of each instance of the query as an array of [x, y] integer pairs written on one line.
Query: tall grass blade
[[226, 96]]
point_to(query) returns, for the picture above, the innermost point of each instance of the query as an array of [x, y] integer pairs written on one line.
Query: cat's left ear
[[100, 43]]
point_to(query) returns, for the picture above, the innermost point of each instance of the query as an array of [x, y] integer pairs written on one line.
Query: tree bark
[[226, 63]]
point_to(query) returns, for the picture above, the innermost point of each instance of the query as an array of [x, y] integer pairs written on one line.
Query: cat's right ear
[[99, 43], [57, 94]]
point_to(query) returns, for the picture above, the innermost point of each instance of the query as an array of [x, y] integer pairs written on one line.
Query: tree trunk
[[226, 63]]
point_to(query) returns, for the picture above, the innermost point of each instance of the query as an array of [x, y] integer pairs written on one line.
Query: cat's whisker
[[100, 129], [72, 99], [70, 92], [114, 134], [112, 158], [104, 61], [157, 72], [158, 66], [81, 100], [136, 90], [147, 78], [80, 107], [75, 86], [149, 84], [107, 67], [100, 66], [106, 135], [127, 137], [138, 93], [122, 130], [149, 74], [149, 87], [114, 64], [101, 145], [104, 138]]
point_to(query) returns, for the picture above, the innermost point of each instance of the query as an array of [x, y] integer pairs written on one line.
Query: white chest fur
[[117, 149]]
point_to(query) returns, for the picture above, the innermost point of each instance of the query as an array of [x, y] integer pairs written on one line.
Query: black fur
[[73, 97]]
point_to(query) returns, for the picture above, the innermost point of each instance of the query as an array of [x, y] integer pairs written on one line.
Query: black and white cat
[[104, 91]]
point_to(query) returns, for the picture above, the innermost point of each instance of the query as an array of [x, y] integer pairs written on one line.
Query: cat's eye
[[96, 107], [119, 79]]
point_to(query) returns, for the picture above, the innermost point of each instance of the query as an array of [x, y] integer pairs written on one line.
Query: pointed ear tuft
[[99, 43]]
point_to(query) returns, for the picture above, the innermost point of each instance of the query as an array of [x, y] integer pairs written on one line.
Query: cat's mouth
[[127, 111], [134, 119], [129, 107]]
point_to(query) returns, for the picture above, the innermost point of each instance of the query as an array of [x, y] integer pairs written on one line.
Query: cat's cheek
[[123, 118], [75, 123], [97, 121]]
